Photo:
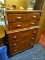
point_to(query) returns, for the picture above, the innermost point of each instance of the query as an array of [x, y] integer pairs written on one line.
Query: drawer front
[[22, 41], [21, 47], [15, 37], [18, 35], [33, 16], [17, 17], [20, 25]]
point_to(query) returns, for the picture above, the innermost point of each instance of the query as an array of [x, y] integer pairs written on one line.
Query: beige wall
[[18, 3]]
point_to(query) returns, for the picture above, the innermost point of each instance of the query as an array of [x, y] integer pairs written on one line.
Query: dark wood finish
[[21, 45], [22, 29], [21, 48]]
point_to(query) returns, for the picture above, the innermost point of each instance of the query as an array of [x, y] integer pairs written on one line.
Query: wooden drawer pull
[[34, 16], [32, 43], [32, 38], [32, 23], [15, 50], [14, 44], [18, 18], [18, 26], [14, 37], [34, 32]]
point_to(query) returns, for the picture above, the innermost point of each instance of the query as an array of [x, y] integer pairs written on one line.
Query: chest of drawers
[[22, 29]]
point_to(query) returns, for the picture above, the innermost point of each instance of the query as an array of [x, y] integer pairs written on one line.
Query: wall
[[18, 3], [2, 1], [39, 4]]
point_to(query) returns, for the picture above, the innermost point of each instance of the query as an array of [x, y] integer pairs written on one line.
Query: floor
[[36, 53], [42, 39]]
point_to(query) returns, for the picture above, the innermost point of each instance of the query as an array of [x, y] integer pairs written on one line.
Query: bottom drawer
[[21, 48]]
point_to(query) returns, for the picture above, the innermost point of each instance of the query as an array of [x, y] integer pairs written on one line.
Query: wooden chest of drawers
[[22, 29]]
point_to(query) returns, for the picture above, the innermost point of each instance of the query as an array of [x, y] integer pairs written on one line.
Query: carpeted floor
[[36, 53]]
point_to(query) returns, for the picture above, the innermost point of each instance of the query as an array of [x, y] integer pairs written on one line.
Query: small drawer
[[17, 17], [20, 25], [33, 16]]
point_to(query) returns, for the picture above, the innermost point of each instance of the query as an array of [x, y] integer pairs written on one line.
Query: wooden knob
[[32, 43], [34, 32], [18, 18], [32, 23], [15, 50], [14, 37], [34, 16], [14, 44], [18, 26], [32, 38]]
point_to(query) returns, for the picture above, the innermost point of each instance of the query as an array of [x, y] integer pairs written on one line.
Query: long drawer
[[18, 35], [20, 25], [22, 34], [17, 17]]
